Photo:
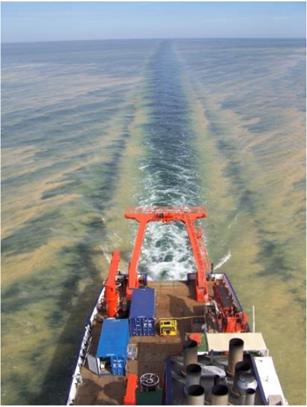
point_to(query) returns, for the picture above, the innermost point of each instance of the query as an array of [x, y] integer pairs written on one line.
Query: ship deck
[[173, 300]]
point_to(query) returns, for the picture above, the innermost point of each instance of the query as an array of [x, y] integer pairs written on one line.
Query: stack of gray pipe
[[195, 392], [244, 383]]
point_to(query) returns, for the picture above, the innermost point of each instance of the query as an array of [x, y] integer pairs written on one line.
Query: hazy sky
[[76, 21]]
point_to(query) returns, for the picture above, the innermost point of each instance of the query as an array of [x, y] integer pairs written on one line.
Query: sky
[[62, 21]]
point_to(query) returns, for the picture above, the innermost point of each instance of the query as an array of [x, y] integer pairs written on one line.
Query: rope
[[191, 316]]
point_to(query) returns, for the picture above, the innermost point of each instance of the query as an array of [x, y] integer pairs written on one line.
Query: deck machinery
[[172, 342]]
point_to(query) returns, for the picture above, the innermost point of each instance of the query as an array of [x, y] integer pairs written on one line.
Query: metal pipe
[[241, 401], [219, 395], [196, 395], [250, 395], [235, 354], [254, 319], [207, 382], [216, 379], [193, 374], [241, 367], [190, 353]]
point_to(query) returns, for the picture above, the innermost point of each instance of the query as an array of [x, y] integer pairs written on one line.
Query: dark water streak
[[95, 182]]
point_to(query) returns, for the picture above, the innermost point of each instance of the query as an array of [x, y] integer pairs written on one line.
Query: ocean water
[[92, 128]]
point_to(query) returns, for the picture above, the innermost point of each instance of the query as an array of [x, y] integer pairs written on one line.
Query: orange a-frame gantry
[[188, 217]]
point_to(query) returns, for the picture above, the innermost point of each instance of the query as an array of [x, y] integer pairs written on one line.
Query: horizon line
[[156, 38]]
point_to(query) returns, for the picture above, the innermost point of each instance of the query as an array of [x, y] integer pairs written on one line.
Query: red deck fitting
[[196, 337], [130, 395]]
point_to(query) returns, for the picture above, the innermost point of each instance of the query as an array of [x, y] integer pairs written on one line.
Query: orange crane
[[111, 293], [188, 217]]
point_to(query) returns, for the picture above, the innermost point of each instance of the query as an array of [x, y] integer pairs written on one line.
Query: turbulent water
[[91, 128]]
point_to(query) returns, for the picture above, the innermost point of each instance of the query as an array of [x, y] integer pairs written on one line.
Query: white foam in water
[[223, 260], [166, 252], [233, 221], [106, 254], [143, 167]]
